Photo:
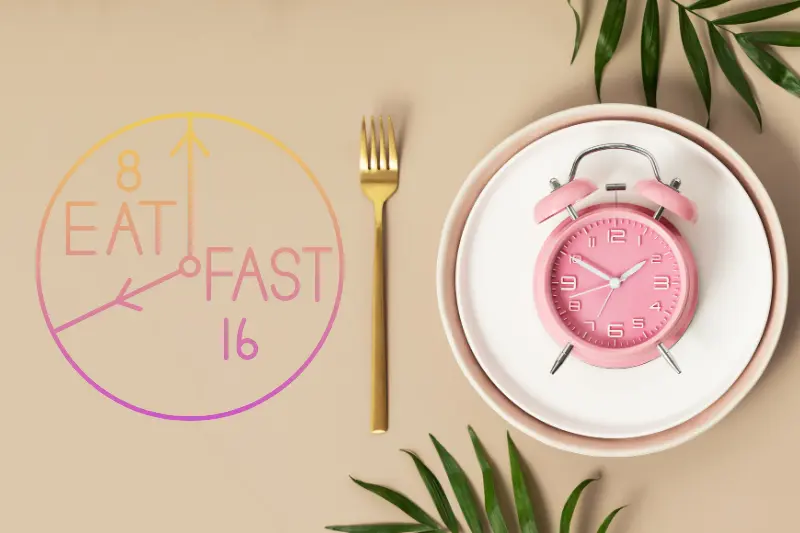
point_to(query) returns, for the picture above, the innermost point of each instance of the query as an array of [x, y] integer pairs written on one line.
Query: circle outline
[[221, 414]]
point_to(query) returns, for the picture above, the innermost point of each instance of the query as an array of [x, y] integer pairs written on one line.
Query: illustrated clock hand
[[632, 270], [188, 267], [190, 140], [604, 285], [594, 270]]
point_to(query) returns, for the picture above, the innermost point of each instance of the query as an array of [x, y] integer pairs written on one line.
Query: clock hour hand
[[594, 270], [632, 270]]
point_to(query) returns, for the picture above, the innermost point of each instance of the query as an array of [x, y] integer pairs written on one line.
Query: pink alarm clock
[[615, 284]]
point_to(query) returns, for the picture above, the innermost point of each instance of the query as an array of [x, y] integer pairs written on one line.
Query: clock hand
[[121, 299], [190, 140], [605, 302], [632, 270], [590, 268], [590, 290]]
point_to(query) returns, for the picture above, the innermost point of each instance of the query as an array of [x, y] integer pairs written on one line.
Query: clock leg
[[668, 357], [561, 358]]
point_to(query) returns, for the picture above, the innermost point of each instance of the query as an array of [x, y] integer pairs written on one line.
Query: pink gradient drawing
[[128, 180], [120, 299], [189, 140]]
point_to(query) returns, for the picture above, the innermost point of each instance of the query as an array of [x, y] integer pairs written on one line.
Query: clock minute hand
[[632, 270], [590, 268]]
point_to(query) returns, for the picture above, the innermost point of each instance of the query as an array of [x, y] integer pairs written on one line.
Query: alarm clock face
[[615, 283]]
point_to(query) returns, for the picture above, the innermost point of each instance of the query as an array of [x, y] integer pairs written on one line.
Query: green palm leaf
[[757, 15], [437, 493], [400, 501], [467, 501], [383, 528], [607, 522], [696, 58], [607, 41], [771, 66], [651, 51], [572, 502], [461, 488], [730, 67], [577, 31], [493, 511], [705, 4], [525, 514], [775, 38]]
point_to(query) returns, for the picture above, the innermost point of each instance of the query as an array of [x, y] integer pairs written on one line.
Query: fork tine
[[364, 163], [392, 146], [382, 161], [373, 157]]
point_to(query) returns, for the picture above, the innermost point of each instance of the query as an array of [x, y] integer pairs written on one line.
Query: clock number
[[656, 306], [615, 330], [639, 240], [638, 323], [656, 259], [575, 258], [569, 283], [574, 305], [661, 283], [241, 342], [616, 236], [132, 169], [592, 242], [591, 324]]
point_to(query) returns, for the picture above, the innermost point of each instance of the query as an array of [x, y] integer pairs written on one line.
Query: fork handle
[[380, 378]]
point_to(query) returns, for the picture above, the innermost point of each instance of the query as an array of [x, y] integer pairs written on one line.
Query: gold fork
[[379, 176]]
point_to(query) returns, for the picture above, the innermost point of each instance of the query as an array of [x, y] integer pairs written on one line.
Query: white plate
[[494, 285]]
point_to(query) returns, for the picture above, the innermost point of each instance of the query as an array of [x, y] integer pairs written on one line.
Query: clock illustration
[[189, 266], [616, 284]]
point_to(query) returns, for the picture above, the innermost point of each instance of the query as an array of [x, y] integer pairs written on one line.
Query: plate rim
[[450, 240], [470, 332]]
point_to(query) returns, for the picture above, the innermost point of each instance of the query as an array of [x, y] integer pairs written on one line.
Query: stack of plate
[[485, 284]]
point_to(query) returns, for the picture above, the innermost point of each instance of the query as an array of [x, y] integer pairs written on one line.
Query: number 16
[[241, 342]]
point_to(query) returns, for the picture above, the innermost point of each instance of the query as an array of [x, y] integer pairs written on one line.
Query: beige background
[[459, 77]]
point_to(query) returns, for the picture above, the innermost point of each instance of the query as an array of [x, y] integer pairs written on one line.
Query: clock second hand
[[587, 291], [605, 302]]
